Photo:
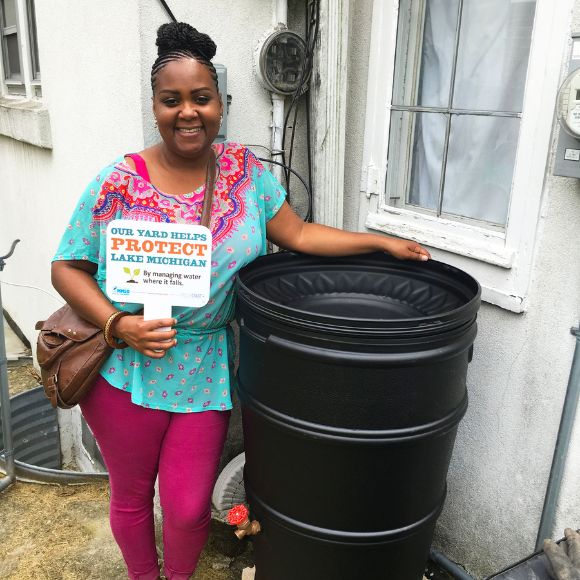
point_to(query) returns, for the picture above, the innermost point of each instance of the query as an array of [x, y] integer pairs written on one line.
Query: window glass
[[425, 37], [8, 13], [427, 160], [460, 71], [21, 76], [33, 40], [480, 167], [13, 55], [437, 52], [493, 54]]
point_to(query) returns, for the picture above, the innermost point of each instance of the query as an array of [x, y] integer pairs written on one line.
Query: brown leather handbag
[[70, 352]]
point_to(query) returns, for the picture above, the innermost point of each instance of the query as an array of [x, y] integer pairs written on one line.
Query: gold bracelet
[[107, 334]]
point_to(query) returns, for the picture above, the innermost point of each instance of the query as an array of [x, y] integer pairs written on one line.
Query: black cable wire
[[293, 103], [292, 138], [295, 96], [261, 147], [308, 21], [168, 10], [309, 154], [312, 22], [308, 216]]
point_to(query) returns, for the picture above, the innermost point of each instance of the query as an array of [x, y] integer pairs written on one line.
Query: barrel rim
[[297, 317]]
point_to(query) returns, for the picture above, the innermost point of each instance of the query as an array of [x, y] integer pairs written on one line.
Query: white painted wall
[[358, 66], [517, 383], [249, 114], [91, 88]]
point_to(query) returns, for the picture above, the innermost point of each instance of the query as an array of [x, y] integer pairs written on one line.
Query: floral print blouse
[[196, 374]]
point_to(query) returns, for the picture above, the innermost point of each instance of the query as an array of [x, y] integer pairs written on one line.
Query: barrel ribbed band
[[340, 536]]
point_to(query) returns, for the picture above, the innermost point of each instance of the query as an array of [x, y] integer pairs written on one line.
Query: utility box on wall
[[222, 73], [567, 162]]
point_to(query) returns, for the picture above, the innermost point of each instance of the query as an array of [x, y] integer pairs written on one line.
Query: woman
[[161, 407]]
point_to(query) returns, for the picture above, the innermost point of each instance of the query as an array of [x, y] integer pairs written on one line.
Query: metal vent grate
[[35, 430]]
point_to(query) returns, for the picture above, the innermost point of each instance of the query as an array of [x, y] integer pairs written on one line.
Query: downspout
[[277, 131], [281, 14], [10, 476], [280, 21], [561, 450]]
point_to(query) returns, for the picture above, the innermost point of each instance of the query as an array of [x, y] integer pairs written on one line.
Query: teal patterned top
[[196, 374]]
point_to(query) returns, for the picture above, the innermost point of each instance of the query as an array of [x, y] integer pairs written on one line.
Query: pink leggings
[[138, 444]]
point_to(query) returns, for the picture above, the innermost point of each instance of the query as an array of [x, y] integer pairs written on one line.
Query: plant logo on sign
[[132, 275]]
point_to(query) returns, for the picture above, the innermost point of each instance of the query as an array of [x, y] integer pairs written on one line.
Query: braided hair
[[178, 40]]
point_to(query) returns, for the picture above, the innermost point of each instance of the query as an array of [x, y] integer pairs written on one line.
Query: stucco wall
[[517, 380], [90, 84], [236, 41], [517, 383], [360, 16]]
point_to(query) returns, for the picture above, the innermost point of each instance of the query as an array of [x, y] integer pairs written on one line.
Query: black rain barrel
[[352, 382]]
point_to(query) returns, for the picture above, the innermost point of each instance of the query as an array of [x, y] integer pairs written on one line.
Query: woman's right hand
[[153, 338]]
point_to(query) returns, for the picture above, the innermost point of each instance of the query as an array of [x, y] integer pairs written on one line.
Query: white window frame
[[28, 82], [23, 116], [501, 261]]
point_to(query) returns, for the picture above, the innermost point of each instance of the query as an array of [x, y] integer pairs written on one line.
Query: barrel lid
[[365, 294]]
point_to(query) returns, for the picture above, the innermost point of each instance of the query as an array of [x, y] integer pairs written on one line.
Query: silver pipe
[[561, 449], [5, 482], [37, 474], [6, 415]]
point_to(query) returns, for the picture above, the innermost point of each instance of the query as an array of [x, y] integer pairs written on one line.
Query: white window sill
[[25, 120], [483, 254], [466, 240]]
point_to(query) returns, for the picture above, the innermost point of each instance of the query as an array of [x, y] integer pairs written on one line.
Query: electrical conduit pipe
[[561, 449], [280, 21]]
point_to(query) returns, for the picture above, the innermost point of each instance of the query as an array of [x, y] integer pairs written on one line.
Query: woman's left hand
[[406, 250]]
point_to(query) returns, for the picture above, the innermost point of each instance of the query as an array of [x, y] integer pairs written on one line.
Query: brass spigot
[[239, 516], [248, 528]]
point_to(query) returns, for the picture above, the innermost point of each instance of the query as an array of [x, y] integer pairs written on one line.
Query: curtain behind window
[[490, 71]]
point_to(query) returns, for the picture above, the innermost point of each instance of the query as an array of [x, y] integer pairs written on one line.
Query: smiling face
[[187, 107]]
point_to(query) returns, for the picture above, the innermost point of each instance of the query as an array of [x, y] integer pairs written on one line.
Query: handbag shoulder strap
[[209, 188]]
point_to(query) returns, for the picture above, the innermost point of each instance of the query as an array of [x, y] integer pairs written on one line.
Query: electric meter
[[567, 158], [281, 62], [569, 104]]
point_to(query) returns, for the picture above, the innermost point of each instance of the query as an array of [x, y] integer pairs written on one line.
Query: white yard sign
[[159, 265]]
